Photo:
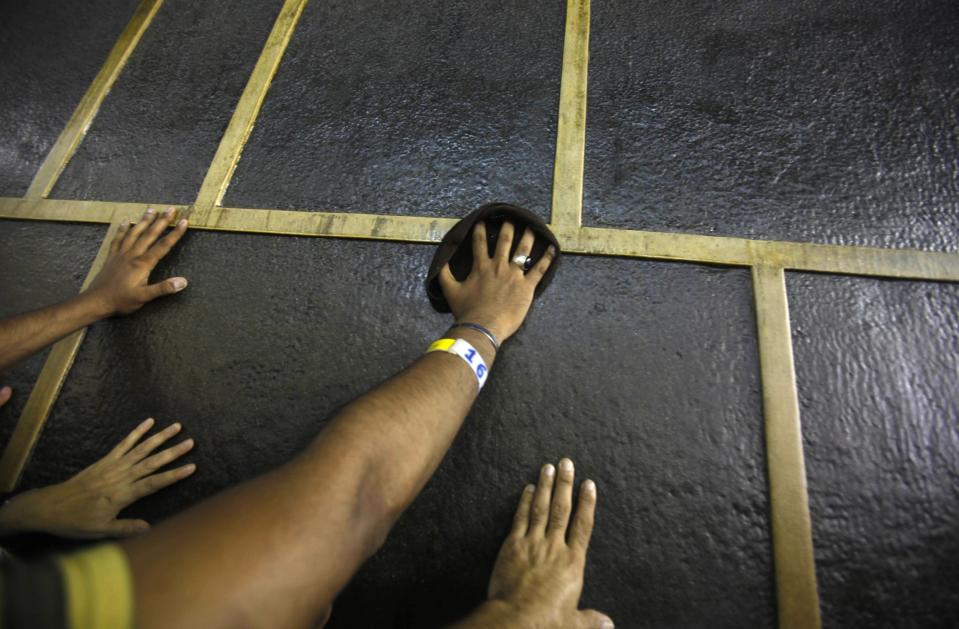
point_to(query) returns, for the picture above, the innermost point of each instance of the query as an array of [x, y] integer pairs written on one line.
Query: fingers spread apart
[[153, 484], [158, 460], [133, 233], [141, 451], [545, 509], [130, 440], [162, 247], [152, 232], [143, 238]]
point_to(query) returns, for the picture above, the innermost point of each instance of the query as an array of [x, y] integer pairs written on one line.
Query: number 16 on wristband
[[467, 352]]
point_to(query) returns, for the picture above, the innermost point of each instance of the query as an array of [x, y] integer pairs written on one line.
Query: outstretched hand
[[86, 506], [497, 294], [122, 286], [538, 576]]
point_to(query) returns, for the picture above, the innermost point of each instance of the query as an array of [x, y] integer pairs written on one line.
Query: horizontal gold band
[[848, 260]]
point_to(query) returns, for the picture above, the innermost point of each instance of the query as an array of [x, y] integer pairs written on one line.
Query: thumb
[[592, 619], [166, 287], [125, 528]]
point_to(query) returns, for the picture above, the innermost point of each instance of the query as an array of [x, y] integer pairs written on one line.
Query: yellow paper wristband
[[463, 349], [442, 345]]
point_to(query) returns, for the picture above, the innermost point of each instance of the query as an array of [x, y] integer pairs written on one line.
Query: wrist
[[94, 305], [478, 340], [19, 515], [496, 328]]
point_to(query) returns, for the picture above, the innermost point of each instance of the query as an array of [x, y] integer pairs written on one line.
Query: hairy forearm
[[400, 431], [28, 333]]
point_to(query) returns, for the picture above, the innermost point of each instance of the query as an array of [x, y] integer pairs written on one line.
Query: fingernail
[[149, 210], [589, 487], [175, 426], [529, 489], [190, 467], [168, 211], [181, 223], [607, 624], [148, 421], [566, 465], [189, 442], [5, 390], [549, 470], [179, 283]]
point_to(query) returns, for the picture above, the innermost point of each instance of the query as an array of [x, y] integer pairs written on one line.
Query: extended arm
[[275, 551], [87, 505], [121, 287]]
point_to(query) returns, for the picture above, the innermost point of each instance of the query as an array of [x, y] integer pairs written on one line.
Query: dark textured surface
[[657, 400], [50, 51], [811, 121], [878, 374], [159, 128], [428, 108], [40, 264]]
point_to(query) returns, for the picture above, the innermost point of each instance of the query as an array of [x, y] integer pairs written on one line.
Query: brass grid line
[[797, 598], [82, 117], [594, 241], [797, 594], [567, 208], [206, 207], [44, 394]]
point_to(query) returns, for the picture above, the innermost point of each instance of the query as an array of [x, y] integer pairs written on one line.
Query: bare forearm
[[402, 429], [25, 334]]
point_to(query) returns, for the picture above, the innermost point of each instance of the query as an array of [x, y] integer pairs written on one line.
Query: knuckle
[[539, 512]]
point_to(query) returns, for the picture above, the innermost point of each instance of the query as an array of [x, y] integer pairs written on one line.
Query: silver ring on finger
[[523, 262]]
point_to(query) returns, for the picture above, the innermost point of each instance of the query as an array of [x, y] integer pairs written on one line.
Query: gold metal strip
[[234, 139], [845, 260], [45, 391], [86, 111], [796, 594], [571, 129]]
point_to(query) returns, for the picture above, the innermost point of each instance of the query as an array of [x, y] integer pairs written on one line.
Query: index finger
[[163, 246], [582, 527], [536, 273], [130, 440]]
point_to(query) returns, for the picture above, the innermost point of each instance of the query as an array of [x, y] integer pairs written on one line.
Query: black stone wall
[[878, 373], [50, 51], [825, 122], [275, 333], [160, 126], [40, 263], [811, 121], [426, 108]]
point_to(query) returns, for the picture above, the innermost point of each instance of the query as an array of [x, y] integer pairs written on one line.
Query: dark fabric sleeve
[[33, 595]]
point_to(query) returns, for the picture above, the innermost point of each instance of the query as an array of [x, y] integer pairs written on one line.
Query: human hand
[[538, 576], [497, 294], [122, 286], [5, 394], [86, 506]]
